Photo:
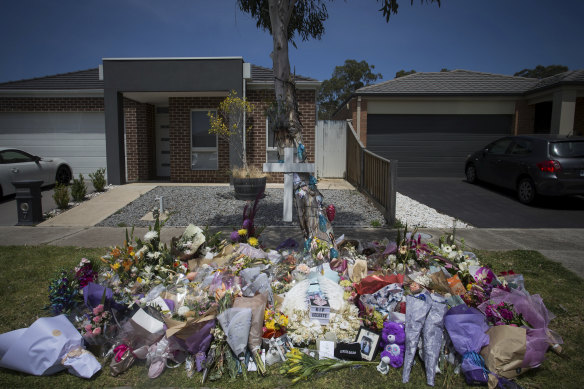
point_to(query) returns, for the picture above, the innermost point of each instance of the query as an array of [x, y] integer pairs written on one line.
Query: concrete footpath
[[76, 227], [565, 246]]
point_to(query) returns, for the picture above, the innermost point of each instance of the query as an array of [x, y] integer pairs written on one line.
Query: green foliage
[[389, 7], [542, 71], [61, 196], [345, 80], [78, 189], [98, 180], [403, 73], [375, 223]]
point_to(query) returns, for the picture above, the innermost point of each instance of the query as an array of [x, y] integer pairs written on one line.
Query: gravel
[[217, 206]]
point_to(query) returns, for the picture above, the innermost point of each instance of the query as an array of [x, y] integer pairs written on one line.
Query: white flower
[[400, 267], [150, 235], [391, 258], [150, 255], [148, 269], [134, 269], [411, 262], [183, 310], [447, 249]]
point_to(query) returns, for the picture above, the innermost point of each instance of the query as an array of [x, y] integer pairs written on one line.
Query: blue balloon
[[322, 222], [301, 152], [312, 180], [334, 253], [307, 243]]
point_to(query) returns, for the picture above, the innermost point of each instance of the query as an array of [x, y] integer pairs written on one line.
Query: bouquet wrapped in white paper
[[49, 345]]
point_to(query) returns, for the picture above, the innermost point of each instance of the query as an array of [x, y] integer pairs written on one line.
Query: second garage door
[[433, 145], [77, 137]]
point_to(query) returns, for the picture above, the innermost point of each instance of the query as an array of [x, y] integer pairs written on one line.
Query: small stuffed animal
[[393, 339]]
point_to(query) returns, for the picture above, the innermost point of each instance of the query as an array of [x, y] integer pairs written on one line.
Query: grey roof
[[83, 79], [89, 79], [455, 82], [572, 77], [259, 73]]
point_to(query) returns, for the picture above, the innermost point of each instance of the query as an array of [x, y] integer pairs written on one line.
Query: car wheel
[[471, 174], [526, 191], [63, 175]]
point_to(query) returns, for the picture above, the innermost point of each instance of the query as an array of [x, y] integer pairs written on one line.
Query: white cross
[[289, 167]]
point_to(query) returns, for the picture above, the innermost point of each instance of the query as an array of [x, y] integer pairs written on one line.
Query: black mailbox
[[28, 202]]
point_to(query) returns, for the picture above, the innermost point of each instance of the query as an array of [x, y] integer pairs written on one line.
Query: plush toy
[[393, 339]]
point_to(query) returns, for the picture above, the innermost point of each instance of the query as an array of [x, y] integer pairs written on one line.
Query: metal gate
[[331, 142]]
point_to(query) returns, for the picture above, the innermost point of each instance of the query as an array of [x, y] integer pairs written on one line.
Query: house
[[146, 118], [430, 122]]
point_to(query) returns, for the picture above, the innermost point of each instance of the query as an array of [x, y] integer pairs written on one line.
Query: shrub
[[61, 196], [78, 189], [98, 179]]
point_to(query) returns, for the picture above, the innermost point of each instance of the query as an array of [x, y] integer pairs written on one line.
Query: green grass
[[25, 271], [375, 223]]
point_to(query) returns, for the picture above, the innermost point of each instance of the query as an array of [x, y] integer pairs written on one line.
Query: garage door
[[77, 137], [433, 145]]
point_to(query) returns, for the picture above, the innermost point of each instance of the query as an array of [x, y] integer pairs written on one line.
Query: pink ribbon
[[120, 350]]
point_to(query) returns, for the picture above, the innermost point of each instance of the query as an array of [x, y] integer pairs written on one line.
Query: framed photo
[[368, 343]]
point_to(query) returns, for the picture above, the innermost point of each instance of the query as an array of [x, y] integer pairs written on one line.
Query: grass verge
[[25, 272]]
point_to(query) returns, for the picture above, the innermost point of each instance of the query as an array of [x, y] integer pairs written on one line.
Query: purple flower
[[507, 314], [247, 224], [234, 236]]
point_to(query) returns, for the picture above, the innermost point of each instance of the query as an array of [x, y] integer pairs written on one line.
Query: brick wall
[[51, 104], [524, 118], [180, 142], [256, 138], [351, 113], [579, 117], [140, 147]]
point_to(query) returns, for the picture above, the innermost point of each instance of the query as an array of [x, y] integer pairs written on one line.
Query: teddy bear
[[393, 339]]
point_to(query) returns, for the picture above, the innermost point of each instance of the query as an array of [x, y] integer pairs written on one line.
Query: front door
[[162, 142]]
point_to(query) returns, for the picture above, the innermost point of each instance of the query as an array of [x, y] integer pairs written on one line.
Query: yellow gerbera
[[115, 266], [242, 232], [253, 241]]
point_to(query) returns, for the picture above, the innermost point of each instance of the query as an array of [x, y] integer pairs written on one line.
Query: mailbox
[[28, 202]]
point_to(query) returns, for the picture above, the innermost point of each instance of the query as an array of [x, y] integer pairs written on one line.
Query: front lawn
[[25, 272]]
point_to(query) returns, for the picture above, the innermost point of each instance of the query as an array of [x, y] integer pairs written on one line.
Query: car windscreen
[[569, 149]]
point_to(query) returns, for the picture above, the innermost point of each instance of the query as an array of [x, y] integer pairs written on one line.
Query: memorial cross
[[289, 167]]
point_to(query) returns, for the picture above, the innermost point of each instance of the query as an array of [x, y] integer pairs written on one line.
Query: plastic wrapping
[[416, 312], [385, 299], [433, 334], [236, 323], [257, 305]]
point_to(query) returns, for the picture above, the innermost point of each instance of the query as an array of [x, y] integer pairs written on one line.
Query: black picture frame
[[368, 342]]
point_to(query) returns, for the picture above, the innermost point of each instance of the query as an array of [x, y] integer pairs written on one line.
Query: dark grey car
[[549, 165]]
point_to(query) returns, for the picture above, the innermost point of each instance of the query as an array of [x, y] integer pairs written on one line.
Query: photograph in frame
[[368, 342]]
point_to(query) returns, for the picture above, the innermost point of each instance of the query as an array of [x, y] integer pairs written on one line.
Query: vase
[[249, 188]]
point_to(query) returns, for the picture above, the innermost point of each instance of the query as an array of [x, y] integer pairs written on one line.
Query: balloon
[[330, 212]]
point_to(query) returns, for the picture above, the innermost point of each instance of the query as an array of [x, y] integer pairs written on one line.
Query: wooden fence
[[371, 174]]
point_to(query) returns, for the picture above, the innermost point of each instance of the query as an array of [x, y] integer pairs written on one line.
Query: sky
[[42, 37]]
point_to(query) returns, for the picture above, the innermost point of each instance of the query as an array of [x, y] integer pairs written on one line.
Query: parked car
[[549, 165], [18, 165]]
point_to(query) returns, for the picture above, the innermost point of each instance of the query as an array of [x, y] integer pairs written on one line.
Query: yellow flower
[[253, 241], [139, 280], [271, 325], [132, 253], [468, 287], [242, 232], [115, 266]]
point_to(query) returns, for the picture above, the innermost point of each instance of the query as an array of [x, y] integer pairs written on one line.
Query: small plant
[[375, 223], [78, 189], [98, 179], [61, 196]]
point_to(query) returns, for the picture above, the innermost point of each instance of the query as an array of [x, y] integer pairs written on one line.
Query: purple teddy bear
[[393, 339]]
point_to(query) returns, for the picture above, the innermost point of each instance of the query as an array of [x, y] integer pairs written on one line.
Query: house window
[[204, 152], [271, 147]]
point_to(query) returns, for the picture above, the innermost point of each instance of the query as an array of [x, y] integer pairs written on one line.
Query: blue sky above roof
[[42, 38]]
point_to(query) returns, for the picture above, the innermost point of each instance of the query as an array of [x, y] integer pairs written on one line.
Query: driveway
[[487, 206]]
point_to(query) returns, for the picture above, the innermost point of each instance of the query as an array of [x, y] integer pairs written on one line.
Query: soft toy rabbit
[[393, 339]]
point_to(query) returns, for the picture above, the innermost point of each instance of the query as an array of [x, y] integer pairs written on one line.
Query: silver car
[[18, 165]]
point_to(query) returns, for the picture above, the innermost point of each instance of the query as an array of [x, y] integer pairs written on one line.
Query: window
[[204, 151], [574, 149], [521, 147], [500, 146], [271, 147], [15, 156]]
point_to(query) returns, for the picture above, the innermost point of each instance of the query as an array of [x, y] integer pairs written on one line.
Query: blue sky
[[40, 37]]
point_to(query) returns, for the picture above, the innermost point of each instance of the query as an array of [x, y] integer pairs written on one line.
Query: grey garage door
[[77, 137], [433, 145]]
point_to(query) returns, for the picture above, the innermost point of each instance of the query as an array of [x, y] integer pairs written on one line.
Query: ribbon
[[477, 360], [120, 350]]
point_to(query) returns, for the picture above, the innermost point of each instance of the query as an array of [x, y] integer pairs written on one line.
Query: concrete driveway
[[487, 206]]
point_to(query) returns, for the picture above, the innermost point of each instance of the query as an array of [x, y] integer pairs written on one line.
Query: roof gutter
[[51, 93], [270, 84]]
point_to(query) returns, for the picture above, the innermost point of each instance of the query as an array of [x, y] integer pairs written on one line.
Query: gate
[[331, 142]]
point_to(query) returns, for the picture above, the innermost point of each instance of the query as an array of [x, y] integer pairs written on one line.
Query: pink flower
[[99, 308], [88, 327], [97, 331], [97, 319]]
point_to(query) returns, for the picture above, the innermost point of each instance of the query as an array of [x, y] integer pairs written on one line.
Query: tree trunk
[[289, 130]]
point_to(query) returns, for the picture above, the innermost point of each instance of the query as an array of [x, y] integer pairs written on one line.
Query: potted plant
[[229, 125]]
